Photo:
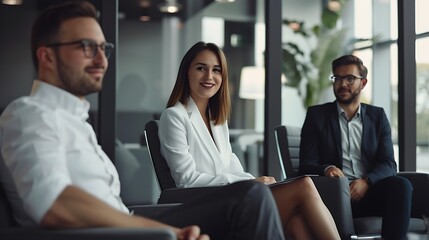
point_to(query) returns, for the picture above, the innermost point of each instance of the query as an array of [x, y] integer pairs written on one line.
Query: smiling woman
[[194, 138]]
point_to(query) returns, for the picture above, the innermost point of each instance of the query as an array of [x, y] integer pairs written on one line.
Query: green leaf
[[290, 69], [329, 18]]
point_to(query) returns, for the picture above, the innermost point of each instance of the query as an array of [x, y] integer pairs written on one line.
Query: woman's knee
[[297, 191], [306, 184]]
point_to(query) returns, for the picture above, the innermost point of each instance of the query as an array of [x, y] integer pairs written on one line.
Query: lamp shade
[[252, 83]]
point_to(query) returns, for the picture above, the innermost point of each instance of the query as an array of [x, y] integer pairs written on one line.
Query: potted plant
[[314, 67]]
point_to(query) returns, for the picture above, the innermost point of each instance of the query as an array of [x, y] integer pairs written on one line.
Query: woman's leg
[[296, 228], [301, 197]]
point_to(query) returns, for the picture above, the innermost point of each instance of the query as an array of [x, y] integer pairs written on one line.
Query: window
[[383, 51]]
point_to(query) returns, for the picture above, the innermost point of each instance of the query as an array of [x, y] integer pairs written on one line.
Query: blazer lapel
[[221, 136], [203, 133], [365, 124], [335, 126]]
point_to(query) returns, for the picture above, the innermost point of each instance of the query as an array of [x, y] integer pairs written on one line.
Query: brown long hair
[[220, 104]]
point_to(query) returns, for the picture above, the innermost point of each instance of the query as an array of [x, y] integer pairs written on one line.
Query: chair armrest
[[181, 195], [335, 193], [88, 234], [420, 200], [151, 210]]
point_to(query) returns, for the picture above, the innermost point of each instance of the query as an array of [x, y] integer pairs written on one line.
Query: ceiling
[[131, 9], [134, 9]]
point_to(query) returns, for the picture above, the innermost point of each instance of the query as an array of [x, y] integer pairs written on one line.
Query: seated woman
[[194, 139]]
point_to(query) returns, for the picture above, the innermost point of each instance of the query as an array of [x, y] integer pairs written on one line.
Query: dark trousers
[[389, 198], [242, 210]]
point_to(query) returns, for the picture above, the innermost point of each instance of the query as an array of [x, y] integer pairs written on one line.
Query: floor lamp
[[252, 86]]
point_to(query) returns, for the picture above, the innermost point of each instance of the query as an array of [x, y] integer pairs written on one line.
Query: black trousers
[[242, 210], [389, 198]]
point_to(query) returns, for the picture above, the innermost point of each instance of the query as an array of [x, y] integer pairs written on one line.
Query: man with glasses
[[56, 175], [353, 139]]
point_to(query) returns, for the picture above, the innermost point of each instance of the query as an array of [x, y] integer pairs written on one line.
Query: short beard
[[351, 99], [70, 81]]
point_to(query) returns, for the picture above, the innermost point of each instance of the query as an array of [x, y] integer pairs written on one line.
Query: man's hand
[[266, 179], [334, 172], [358, 189], [191, 233]]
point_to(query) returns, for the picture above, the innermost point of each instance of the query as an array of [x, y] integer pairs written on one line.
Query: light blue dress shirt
[[351, 140]]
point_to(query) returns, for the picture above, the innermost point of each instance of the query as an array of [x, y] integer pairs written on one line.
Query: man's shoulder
[[24, 109], [372, 107], [321, 107], [27, 103], [369, 109]]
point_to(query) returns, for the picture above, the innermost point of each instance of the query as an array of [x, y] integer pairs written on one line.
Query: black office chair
[[169, 191], [288, 142], [289, 138]]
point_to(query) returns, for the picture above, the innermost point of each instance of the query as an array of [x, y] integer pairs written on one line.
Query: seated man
[[353, 139], [56, 175]]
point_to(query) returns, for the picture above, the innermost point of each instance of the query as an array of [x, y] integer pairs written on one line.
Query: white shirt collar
[[342, 113], [59, 98]]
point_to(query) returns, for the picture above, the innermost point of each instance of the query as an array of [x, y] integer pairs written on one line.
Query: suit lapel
[[203, 133], [365, 124], [335, 126], [221, 136]]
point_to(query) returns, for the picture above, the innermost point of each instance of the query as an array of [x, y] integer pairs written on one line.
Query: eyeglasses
[[89, 47], [350, 79]]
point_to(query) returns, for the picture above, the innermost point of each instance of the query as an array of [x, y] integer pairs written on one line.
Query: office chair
[[288, 142], [169, 191], [289, 138]]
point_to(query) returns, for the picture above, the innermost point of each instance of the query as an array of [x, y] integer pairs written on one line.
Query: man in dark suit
[[353, 139]]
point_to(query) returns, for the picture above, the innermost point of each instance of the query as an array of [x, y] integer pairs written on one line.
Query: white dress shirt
[[47, 145], [194, 157]]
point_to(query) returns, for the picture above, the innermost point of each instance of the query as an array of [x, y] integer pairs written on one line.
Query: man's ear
[[46, 57], [364, 82]]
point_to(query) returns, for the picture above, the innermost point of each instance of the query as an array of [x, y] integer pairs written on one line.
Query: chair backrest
[[6, 219], [288, 139], [160, 165]]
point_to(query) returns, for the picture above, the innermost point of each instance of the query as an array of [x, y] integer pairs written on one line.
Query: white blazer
[[195, 160]]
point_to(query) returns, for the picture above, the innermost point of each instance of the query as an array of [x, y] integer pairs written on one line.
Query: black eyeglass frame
[[88, 44], [350, 79]]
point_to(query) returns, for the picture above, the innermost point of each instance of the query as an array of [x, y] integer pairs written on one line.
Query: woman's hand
[[191, 233], [266, 179]]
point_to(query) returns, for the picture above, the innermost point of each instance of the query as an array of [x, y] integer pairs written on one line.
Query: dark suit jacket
[[321, 141]]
